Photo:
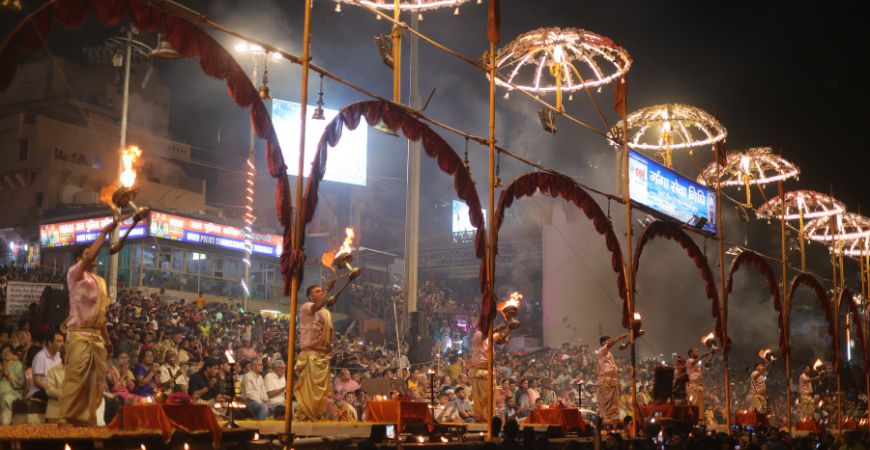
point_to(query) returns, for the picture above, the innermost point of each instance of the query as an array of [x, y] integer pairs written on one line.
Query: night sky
[[775, 74]]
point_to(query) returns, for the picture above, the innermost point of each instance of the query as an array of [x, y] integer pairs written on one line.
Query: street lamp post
[[164, 51], [254, 51]]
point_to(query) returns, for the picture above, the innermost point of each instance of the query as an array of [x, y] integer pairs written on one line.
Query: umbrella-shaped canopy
[[664, 128]]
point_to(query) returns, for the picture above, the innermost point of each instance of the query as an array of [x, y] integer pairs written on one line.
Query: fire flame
[[128, 157], [706, 340], [817, 364], [763, 353], [514, 299], [348, 241]]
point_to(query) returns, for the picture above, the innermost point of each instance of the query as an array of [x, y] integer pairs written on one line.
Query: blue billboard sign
[[655, 186]]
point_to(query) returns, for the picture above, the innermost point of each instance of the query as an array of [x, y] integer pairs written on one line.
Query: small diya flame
[[818, 364]]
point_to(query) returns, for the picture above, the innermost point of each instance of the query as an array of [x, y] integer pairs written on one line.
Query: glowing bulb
[[254, 48], [420, 17], [338, 7], [256, 436], [186, 446], [558, 54], [242, 47], [456, 11], [421, 439]]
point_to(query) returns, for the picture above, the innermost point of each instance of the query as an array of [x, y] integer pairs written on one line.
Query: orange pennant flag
[[619, 93], [493, 26]]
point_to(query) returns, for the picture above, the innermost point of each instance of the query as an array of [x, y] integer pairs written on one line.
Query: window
[[23, 146], [196, 263], [177, 259], [149, 255]]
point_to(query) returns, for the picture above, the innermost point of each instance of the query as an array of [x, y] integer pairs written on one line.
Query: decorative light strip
[[407, 5]]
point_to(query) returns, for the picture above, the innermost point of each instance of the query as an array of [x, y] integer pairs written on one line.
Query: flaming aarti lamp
[[636, 323], [767, 355], [508, 309], [120, 194], [334, 261], [818, 365]]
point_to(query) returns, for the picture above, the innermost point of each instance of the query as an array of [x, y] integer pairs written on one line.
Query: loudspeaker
[[56, 306], [419, 326], [663, 383], [421, 349]]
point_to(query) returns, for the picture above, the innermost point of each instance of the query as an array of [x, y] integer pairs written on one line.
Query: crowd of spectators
[[178, 351]]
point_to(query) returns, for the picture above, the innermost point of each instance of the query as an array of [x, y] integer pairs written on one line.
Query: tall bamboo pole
[[720, 234], [865, 274], [298, 230], [629, 263], [490, 247], [801, 237], [785, 307], [397, 55]]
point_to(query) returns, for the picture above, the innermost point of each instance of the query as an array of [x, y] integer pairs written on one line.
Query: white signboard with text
[[20, 295]]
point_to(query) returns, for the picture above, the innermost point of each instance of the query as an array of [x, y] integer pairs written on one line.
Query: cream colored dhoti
[[608, 399], [480, 394], [84, 381], [312, 388], [757, 402], [695, 391], [807, 406]]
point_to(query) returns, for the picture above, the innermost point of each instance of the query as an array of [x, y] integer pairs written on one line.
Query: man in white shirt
[[47, 358], [173, 374], [276, 385], [254, 391], [445, 412]]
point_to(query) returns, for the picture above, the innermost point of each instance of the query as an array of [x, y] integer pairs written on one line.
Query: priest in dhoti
[[608, 383], [807, 405], [87, 342], [313, 386], [478, 373]]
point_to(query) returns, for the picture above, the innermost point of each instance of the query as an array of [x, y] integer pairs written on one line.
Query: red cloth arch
[[188, 39], [672, 231], [554, 185], [397, 119], [752, 259], [808, 280]]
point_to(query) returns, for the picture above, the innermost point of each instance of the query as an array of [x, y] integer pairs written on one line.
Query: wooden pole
[[490, 247], [397, 55], [629, 282], [785, 306], [801, 237], [298, 229], [723, 313]]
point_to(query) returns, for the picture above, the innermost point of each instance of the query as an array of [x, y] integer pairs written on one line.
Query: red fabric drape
[[554, 186], [397, 119], [672, 231], [846, 299], [754, 260], [186, 38], [805, 279]]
